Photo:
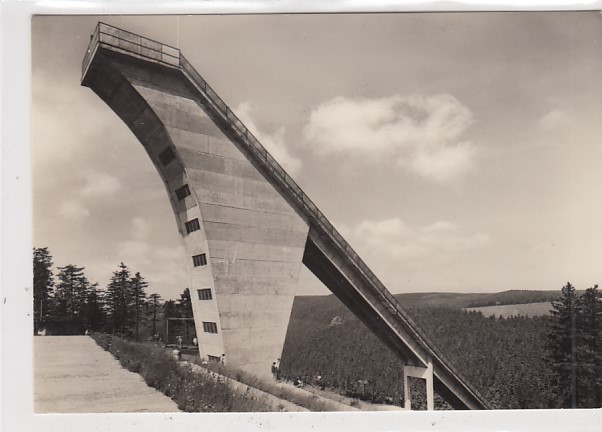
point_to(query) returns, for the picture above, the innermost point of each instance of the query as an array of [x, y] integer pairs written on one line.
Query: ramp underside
[[256, 225]]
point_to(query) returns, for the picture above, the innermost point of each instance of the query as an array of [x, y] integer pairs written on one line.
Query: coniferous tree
[[170, 309], [138, 300], [118, 299], [590, 348], [185, 306], [562, 346], [94, 316], [71, 292], [154, 304], [43, 283]]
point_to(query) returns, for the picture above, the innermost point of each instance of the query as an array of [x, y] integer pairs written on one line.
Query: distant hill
[[461, 300]]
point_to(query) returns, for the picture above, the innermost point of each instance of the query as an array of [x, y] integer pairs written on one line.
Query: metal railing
[[131, 43], [121, 40]]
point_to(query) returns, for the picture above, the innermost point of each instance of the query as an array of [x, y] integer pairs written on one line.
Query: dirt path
[[355, 403], [74, 375]]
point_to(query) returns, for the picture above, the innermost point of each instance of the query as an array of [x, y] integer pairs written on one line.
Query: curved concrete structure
[[245, 223]]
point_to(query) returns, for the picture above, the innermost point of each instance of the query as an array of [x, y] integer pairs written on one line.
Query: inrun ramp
[[246, 225]]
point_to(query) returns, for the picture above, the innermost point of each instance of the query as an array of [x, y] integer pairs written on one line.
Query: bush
[[192, 392]]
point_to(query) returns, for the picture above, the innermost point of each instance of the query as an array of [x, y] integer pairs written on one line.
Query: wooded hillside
[[502, 358]]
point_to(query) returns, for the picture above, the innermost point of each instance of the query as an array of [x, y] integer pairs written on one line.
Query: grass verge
[[191, 391], [304, 399]]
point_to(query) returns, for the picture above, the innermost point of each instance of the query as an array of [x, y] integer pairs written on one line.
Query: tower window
[[166, 156], [199, 260], [192, 225], [205, 294], [209, 327], [182, 192]]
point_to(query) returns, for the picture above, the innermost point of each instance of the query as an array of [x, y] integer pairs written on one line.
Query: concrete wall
[[254, 241]]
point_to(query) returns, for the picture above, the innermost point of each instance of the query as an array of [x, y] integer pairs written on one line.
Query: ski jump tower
[[245, 224]]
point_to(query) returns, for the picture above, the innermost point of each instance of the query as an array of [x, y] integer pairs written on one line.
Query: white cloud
[[99, 184], [141, 228], [442, 164], [555, 120], [420, 133], [73, 209], [134, 251], [392, 240], [274, 143]]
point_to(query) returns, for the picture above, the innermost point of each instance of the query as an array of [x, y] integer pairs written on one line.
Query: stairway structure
[[246, 225]]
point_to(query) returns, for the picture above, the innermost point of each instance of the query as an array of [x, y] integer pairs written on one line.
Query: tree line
[[69, 302]]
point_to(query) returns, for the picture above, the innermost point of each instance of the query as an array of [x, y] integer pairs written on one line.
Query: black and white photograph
[[288, 213]]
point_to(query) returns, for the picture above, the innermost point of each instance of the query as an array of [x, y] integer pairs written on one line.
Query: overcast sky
[[455, 152]]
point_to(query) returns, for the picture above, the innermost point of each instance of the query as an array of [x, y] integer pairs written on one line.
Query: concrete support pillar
[[425, 373]]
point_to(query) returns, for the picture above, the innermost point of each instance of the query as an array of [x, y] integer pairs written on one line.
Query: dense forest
[[514, 362], [68, 303]]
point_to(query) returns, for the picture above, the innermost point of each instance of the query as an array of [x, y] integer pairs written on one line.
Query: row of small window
[[209, 327], [199, 260], [192, 225], [166, 156], [204, 294], [182, 192]]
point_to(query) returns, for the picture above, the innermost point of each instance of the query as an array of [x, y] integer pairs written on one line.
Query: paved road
[[74, 375]]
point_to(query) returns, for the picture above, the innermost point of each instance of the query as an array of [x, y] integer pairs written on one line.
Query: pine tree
[[185, 306], [43, 283], [118, 299], [590, 347], [94, 316], [562, 346], [71, 292], [138, 300], [155, 303], [170, 309]]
